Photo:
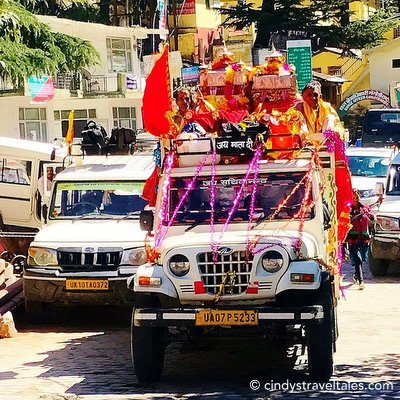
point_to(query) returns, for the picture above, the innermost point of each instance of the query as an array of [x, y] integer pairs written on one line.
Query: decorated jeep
[[245, 233]]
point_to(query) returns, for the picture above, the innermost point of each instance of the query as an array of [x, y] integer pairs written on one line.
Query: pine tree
[[326, 22], [28, 47]]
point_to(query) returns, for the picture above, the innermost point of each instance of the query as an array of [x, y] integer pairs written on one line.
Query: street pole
[[175, 25]]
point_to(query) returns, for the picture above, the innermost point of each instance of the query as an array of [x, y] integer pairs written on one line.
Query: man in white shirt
[[49, 182]]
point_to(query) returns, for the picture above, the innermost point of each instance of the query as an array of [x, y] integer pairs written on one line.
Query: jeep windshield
[[194, 206], [78, 200], [393, 184], [381, 128]]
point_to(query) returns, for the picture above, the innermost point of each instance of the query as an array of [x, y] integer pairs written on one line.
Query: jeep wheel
[[320, 341], [378, 266], [35, 312], [147, 346]]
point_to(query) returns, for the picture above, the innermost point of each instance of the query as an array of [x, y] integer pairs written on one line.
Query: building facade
[[109, 93]]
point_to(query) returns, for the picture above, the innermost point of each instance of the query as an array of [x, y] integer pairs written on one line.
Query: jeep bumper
[[187, 316], [386, 246], [51, 289]]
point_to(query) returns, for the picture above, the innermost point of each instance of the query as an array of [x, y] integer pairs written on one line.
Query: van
[[381, 128], [91, 242], [22, 163]]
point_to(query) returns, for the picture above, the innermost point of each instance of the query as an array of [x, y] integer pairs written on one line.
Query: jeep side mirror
[[44, 213], [379, 188], [146, 220]]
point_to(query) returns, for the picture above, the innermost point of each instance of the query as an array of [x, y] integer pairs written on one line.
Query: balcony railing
[[67, 81], [100, 84], [8, 87]]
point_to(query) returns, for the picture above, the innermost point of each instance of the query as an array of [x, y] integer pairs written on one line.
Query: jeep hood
[[98, 232], [390, 206], [239, 238]]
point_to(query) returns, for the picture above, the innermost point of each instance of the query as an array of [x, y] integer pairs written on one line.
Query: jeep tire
[[147, 345], [320, 339], [378, 266], [35, 312]]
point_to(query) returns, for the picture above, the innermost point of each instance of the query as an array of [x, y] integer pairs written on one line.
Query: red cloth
[[232, 116], [157, 97], [151, 186]]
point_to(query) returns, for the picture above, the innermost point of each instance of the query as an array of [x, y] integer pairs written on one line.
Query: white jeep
[[257, 259]]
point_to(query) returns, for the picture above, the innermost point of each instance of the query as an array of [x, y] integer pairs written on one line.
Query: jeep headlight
[[272, 261], [387, 223], [134, 257], [42, 256], [179, 265], [367, 193]]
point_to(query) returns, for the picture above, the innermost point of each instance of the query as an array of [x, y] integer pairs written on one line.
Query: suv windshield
[[97, 199], [393, 185], [272, 190], [368, 166], [381, 127]]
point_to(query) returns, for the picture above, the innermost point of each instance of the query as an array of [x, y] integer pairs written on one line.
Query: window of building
[[124, 117], [396, 32], [81, 118], [317, 70], [119, 55], [33, 124], [333, 69], [396, 63], [15, 171]]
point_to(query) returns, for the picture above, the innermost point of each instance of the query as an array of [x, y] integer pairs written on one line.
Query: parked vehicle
[[204, 277], [22, 164], [92, 240], [368, 165], [385, 243], [381, 128]]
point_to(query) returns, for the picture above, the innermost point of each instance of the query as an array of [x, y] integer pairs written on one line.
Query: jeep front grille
[[212, 274], [76, 259]]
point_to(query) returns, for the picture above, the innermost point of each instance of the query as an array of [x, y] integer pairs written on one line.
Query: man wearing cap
[[318, 115]]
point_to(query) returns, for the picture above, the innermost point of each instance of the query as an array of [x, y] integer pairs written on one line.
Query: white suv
[[368, 165]]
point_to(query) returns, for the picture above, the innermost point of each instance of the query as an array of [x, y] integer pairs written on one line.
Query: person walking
[[358, 237]]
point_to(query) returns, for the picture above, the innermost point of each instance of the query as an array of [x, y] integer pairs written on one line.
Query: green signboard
[[299, 54]]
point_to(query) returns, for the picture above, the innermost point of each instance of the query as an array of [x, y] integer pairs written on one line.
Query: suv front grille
[[212, 274], [74, 259]]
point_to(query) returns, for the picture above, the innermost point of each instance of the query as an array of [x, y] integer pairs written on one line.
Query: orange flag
[[157, 97], [69, 137]]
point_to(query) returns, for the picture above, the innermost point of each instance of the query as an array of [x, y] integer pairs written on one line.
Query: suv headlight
[[387, 223], [42, 256], [134, 257], [272, 261], [179, 265]]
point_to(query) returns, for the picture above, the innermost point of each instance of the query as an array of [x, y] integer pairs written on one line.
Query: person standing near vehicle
[[358, 237], [49, 182]]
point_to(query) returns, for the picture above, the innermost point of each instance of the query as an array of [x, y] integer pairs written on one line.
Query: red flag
[[157, 97]]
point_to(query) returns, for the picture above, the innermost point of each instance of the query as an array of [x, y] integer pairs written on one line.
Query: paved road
[[85, 355]]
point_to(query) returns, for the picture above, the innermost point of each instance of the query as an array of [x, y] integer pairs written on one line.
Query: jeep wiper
[[263, 218], [130, 214], [91, 215], [193, 225]]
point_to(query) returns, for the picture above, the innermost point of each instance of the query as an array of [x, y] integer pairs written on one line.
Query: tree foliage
[[327, 22], [28, 47]]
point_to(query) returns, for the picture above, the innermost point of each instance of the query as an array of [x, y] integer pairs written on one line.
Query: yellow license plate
[[86, 284], [226, 317]]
